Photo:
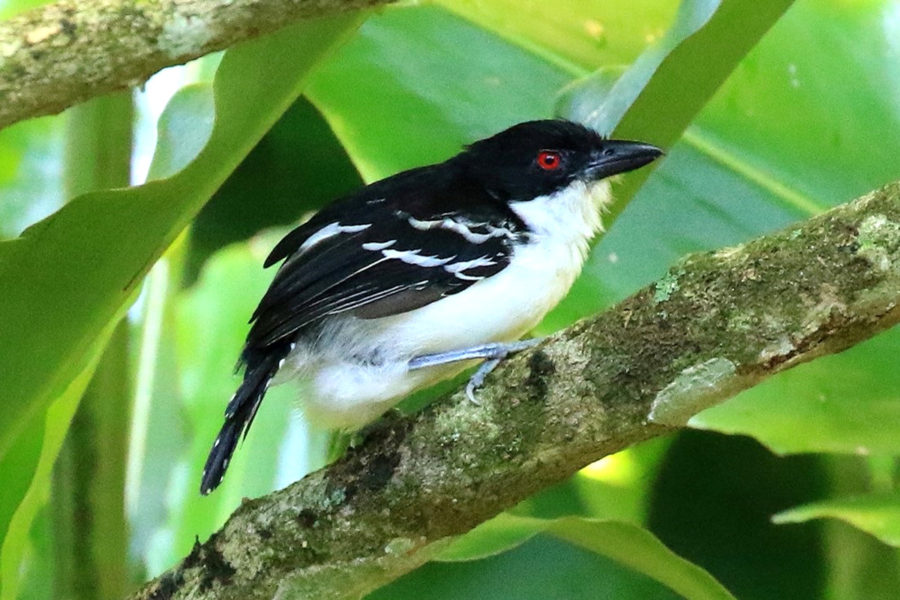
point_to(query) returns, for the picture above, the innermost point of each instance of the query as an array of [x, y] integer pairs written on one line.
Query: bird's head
[[538, 158]]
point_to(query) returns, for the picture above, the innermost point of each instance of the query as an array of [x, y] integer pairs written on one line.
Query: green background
[[124, 310]]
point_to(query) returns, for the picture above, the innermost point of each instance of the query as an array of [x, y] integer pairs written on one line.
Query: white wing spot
[[377, 246], [331, 230], [465, 265], [354, 228], [412, 257], [461, 228], [465, 277]]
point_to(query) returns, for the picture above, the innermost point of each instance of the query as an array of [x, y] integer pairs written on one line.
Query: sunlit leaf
[[10, 8], [67, 276], [426, 82], [778, 140], [579, 37], [618, 486], [662, 92], [51, 430]]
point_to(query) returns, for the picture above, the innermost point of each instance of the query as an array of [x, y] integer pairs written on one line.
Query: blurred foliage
[[809, 118], [624, 542], [31, 165], [298, 166], [715, 493]]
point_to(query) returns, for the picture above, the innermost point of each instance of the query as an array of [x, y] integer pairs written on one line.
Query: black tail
[[260, 368]]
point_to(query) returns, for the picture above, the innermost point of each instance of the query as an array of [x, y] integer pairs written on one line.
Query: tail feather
[[239, 415]]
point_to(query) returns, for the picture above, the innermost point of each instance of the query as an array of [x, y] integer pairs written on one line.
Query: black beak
[[620, 156]]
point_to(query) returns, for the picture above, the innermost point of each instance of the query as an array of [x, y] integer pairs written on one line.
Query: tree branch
[[63, 53], [716, 324]]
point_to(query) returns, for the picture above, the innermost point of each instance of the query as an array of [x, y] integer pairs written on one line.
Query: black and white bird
[[410, 279]]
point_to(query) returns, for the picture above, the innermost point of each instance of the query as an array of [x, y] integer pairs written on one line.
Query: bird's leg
[[492, 354]]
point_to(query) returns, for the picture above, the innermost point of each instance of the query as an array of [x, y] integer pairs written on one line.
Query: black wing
[[384, 267]]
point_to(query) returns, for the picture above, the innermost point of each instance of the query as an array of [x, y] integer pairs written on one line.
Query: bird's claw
[[477, 378]]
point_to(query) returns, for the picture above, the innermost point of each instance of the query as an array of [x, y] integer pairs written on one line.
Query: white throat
[[569, 217]]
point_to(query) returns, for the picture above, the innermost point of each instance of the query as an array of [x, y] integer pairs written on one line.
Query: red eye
[[548, 160]]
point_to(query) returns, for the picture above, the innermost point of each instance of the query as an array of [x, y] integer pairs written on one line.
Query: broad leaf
[[580, 37], [20, 510], [69, 278], [210, 335], [878, 515], [30, 170], [778, 143], [623, 542], [69, 275], [425, 83]]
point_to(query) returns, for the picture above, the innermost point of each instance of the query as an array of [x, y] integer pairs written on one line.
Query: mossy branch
[[717, 323], [63, 53]]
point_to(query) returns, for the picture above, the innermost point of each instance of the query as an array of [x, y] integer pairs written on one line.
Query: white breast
[[499, 308]]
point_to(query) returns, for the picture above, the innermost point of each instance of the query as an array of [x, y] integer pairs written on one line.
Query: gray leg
[[492, 353]]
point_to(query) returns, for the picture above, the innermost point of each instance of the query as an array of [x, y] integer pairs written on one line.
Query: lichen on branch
[[717, 323], [63, 53]]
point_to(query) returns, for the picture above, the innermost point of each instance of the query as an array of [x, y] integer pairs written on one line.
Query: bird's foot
[[493, 354]]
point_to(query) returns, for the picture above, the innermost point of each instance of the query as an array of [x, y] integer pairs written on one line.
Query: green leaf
[[711, 503], [500, 534], [541, 568], [90, 530], [88, 506], [878, 514], [70, 275], [184, 128], [778, 143], [424, 82], [584, 36], [208, 343], [11, 8], [845, 403], [623, 542], [618, 486], [662, 92], [19, 511], [301, 166], [30, 165]]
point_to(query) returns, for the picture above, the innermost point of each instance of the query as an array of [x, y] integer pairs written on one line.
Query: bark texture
[[717, 323], [63, 53]]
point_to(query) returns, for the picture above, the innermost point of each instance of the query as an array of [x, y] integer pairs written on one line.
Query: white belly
[[344, 392]]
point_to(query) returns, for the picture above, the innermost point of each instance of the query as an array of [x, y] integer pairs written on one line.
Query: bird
[[414, 278]]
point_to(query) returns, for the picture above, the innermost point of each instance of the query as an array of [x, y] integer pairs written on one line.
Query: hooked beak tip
[[621, 156]]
